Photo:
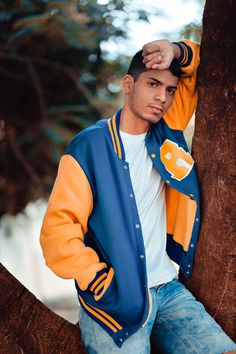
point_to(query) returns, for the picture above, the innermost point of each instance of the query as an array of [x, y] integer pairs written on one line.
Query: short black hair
[[137, 66]]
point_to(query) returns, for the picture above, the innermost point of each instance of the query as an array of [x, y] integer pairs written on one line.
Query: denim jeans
[[178, 324]]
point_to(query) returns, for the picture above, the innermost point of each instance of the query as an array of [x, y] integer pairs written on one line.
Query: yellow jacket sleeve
[[179, 114], [65, 223]]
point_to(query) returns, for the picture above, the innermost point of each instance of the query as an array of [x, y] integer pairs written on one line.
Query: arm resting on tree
[[65, 224], [180, 113]]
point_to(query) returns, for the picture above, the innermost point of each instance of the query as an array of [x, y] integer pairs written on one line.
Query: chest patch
[[176, 160]]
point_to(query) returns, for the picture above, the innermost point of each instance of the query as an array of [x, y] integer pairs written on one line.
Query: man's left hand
[[159, 54]]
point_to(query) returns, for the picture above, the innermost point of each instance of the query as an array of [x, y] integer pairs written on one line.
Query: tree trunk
[[27, 326], [213, 281]]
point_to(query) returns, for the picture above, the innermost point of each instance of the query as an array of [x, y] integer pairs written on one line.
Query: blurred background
[[61, 64]]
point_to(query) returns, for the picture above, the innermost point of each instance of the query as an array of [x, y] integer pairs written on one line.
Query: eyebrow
[[159, 82]]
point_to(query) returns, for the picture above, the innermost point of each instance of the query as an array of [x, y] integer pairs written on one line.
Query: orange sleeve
[[65, 223], [180, 113]]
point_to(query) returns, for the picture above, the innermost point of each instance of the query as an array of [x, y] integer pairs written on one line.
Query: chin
[[152, 119]]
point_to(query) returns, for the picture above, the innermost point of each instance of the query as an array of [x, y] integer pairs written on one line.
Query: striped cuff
[[186, 54], [97, 284]]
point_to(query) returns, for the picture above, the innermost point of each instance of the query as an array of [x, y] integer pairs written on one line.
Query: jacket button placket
[[137, 227]]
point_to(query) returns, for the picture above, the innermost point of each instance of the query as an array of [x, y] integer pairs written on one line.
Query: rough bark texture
[[213, 281], [27, 326]]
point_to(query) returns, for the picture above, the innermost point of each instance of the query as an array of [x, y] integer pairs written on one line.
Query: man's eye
[[171, 91], [152, 84]]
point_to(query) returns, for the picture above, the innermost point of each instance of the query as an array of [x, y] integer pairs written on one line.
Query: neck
[[130, 124]]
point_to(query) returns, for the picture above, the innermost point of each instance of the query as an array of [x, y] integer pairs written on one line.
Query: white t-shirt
[[149, 190]]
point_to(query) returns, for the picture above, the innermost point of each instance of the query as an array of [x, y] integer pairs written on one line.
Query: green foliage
[[54, 82]]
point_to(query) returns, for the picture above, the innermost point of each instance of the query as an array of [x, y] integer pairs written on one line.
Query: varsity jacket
[[91, 230]]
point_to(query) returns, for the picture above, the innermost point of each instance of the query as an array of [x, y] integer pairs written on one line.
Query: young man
[[124, 204]]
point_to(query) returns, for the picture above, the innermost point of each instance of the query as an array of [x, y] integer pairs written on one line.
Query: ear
[[128, 83]]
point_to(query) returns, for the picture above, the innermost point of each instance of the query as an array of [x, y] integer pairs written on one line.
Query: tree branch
[[10, 137], [39, 91], [11, 75]]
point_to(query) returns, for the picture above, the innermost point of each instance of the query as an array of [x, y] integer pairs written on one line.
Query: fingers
[[158, 54], [152, 50], [151, 47], [156, 60], [152, 55], [159, 66], [153, 61], [162, 66]]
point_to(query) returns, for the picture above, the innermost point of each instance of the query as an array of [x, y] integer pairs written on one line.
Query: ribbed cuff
[[186, 54]]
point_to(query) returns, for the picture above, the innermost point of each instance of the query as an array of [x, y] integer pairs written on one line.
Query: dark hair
[[137, 66]]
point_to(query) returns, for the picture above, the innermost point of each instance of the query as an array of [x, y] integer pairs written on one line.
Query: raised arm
[[158, 55], [65, 224]]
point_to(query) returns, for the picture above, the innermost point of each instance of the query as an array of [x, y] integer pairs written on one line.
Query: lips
[[156, 109]]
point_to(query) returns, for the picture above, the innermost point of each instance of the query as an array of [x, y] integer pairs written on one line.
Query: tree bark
[[27, 326], [213, 281]]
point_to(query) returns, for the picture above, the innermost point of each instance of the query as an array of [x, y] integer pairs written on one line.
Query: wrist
[[186, 53], [177, 51]]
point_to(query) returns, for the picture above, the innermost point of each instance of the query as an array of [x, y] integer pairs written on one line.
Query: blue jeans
[[178, 324]]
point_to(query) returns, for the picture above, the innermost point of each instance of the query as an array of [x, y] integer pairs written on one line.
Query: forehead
[[163, 76]]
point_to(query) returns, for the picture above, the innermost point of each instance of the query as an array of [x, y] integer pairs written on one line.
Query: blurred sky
[[173, 16]]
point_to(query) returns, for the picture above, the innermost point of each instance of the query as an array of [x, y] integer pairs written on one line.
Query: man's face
[[151, 94]]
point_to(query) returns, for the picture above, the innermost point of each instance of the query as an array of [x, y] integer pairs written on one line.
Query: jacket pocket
[[102, 283]]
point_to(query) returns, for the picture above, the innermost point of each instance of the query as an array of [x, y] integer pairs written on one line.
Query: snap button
[[188, 272], [125, 167], [197, 219], [168, 182], [137, 226], [192, 245], [189, 265], [141, 256], [153, 156], [126, 333], [191, 195], [121, 340], [131, 195]]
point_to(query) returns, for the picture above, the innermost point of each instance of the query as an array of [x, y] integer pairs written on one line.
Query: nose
[[161, 95]]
